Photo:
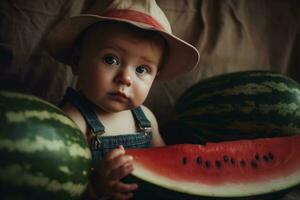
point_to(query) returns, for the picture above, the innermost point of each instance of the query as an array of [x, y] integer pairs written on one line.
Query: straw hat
[[146, 14]]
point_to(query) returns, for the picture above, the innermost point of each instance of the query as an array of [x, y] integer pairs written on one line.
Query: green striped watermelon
[[233, 106], [43, 153]]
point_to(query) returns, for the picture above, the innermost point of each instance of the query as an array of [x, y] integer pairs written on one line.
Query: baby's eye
[[111, 60], [143, 69]]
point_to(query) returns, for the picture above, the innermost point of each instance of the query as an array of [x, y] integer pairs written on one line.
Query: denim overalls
[[102, 144]]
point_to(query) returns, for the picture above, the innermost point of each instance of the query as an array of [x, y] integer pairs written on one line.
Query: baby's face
[[117, 69]]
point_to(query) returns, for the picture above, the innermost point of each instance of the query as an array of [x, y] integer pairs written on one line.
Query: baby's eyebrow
[[112, 46], [148, 60]]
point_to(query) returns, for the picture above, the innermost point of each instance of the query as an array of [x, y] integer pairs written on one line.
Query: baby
[[117, 53]]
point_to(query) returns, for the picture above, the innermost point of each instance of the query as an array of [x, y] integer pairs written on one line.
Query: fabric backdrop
[[231, 35]]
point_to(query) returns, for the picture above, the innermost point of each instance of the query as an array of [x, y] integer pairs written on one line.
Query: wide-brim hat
[[145, 14]]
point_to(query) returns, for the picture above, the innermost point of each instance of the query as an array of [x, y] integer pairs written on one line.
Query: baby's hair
[[150, 35]]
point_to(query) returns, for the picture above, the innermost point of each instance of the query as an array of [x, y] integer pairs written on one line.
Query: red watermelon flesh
[[225, 169]]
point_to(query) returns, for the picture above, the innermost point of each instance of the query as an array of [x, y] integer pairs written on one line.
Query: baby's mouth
[[119, 96]]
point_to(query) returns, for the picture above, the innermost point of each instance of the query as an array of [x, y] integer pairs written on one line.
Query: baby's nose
[[124, 77]]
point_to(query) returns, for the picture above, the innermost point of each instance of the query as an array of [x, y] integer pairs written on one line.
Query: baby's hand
[[113, 167]]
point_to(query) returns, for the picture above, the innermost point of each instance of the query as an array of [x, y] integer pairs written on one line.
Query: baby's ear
[[75, 61]]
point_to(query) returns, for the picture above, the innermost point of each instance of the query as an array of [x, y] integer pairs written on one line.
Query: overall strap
[[141, 119], [86, 109]]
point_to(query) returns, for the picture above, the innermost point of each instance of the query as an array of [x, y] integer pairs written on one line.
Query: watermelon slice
[[226, 169]]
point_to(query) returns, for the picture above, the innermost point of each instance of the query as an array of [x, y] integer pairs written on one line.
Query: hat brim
[[182, 57]]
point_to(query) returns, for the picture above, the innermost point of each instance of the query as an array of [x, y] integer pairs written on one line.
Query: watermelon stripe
[[41, 144], [16, 174], [260, 103], [250, 89], [242, 127], [241, 100], [262, 121], [25, 115], [228, 81], [280, 108], [76, 151], [66, 168], [234, 116]]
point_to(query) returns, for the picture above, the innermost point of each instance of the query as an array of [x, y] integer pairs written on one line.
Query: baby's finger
[[121, 147], [126, 187], [119, 161], [114, 153], [121, 172], [122, 196]]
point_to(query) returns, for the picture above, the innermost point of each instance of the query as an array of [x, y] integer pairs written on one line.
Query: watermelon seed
[[232, 161], [257, 157], [226, 158], [271, 156], [199, 160], [242, 163], [184, 160], [207, 164], [253, 164], [218, 163], [266, 158]]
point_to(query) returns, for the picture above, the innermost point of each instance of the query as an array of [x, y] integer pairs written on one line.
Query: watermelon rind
[[150, 191]]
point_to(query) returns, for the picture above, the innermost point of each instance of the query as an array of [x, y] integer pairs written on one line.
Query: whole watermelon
[[234, 106], [43, 153]]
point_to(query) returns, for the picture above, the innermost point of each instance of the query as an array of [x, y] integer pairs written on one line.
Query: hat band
[[134, 16]]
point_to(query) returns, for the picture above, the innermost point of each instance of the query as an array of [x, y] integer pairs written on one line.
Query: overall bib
[[102, 144]]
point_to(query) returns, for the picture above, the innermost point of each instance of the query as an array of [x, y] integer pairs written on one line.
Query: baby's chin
[[114, 108]]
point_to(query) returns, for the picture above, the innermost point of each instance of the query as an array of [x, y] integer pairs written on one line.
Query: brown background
[[231, 35]]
